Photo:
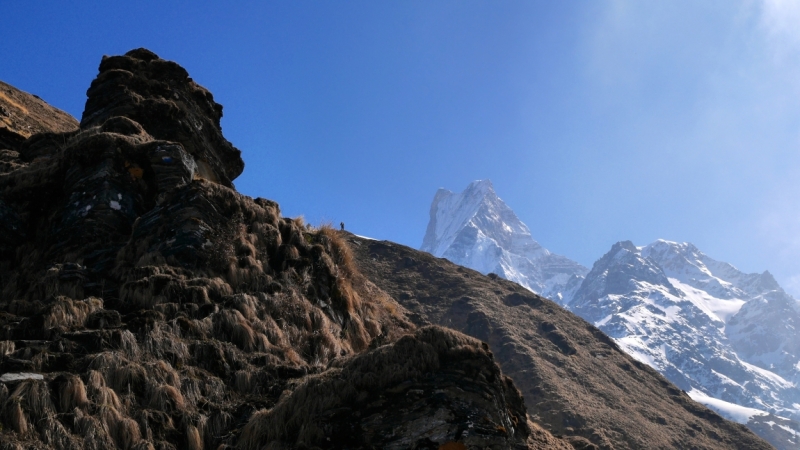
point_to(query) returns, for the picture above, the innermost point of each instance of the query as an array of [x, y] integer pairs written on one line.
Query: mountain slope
[[761, 319], [575, 380], [22, 115], [476, 229]]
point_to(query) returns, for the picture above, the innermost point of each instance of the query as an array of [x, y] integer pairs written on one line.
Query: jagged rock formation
[[630, 297], [160, 96], [576, 381], [476, 229], [147, 304], [760, 319]]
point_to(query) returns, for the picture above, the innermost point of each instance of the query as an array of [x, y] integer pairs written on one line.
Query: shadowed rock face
[[147, 304], [150, 137], [160, 96]]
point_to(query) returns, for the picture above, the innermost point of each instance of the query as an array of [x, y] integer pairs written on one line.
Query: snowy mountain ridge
[[679, 329], [688, 264]]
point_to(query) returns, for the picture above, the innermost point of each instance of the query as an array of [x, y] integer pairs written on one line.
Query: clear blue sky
[[597, 121]]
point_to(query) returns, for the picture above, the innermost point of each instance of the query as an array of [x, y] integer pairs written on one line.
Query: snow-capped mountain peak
[[705, 325], [451, 211], [477, 206], [475, 228]]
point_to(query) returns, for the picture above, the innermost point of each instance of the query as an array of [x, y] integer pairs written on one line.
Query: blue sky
[[596, 121]]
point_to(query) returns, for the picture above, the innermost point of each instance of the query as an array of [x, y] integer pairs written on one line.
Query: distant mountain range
[[731, 340]]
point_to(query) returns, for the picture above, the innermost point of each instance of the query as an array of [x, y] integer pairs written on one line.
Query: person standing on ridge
[[341, 224]]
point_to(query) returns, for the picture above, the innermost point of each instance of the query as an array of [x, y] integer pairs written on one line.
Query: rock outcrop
[[160, 96], [384, 399], [146, 304]]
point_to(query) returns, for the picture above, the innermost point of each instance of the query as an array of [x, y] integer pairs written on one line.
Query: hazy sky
[[597, 121]]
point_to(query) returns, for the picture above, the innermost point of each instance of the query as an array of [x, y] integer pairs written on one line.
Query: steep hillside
[[575, 380], [22, 115], [146, 304]]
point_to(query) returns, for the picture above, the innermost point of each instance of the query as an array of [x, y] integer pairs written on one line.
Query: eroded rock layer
[[147, 304]]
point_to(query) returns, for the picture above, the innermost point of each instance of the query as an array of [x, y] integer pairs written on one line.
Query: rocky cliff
[[147, 304]]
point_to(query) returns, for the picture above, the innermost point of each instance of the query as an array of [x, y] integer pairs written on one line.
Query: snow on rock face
[[728, 410], [765, 333], [691, 266], [476, 229], [762, 320]]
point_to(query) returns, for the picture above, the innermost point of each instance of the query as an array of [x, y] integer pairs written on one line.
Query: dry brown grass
[[217, 425], [15, 417], [29, 409], [95, 435], [129, 345], [51, 285], [245, 380], [193, 439], [121, 374], [54, 435], [67, 313], [72, 394], [323, 307], [124, 430], [231, 325], [167, 398], [342, 254], [6, 347], [101, 394], [284, 291], [163, 341]]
